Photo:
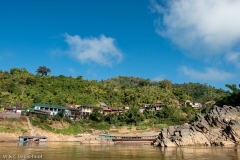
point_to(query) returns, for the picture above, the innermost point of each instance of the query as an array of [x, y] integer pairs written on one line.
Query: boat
[[82, 135], [135, 138], [32, 138]]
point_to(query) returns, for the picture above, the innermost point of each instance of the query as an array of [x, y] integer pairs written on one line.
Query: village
[[81, 111]]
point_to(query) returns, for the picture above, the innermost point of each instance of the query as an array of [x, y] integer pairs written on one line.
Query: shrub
[[99, 126], [13, 119], [67, 119]]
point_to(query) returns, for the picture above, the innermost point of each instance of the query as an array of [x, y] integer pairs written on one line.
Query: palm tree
[[43, 70]]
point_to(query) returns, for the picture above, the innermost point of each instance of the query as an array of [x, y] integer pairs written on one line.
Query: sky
[[179, 40]]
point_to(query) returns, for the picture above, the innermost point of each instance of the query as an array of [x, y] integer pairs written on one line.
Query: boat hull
[[133, 139], [32, 139]]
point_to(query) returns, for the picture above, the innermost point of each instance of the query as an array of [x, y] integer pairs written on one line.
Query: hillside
[[193, 91], [20, 86]]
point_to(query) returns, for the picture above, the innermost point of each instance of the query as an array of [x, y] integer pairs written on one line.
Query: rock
[[200, 139], [168, 143], [164, 133], [184, 132], [227, 143], [171, 130], [219, 127], [185, 141], [185, 126], [177, 133], [234, 132]]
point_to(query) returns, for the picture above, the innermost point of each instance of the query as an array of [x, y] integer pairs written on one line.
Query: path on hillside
[[30, 127]]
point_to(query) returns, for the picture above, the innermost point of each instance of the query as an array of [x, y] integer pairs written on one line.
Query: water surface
[[74, 151]]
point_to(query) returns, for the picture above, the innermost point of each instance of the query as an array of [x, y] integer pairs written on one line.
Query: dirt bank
[[6, 137]]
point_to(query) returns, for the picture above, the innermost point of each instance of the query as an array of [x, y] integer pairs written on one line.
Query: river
[[75, 151]]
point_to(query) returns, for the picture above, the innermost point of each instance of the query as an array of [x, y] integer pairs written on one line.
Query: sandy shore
[[92, 138]]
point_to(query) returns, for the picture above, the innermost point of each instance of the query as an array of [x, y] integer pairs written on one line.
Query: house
[[197, 105], [117, 110], [9, 108], [16, 109], [158, 105], [149, 107], [107, 111], [74, 113], [86, 110], [49, 109]]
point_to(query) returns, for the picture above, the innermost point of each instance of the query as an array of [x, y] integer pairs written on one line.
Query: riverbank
[[12, 128], [92, 138]]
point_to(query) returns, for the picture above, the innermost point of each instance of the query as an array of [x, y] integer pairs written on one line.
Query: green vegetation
[[13, 125], [68, 127], [233, 98], [22, 87]]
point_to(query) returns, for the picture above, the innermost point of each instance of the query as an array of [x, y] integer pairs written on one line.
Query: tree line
[[18, 86]]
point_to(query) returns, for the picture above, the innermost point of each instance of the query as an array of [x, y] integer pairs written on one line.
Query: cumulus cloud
[[211, 74], [158, 78], [6, 55], [101, 50], [71, 70], [203, 27], [234, 58]]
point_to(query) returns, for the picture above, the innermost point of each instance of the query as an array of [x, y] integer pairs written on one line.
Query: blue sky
[[178, 40]]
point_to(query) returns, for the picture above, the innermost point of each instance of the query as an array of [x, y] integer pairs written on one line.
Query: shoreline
[[92, 138]]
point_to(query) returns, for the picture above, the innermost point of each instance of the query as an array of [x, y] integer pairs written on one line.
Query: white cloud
[[5, 55], [210, 74], [202, 27], [71, 70], [234, 58], [101, 50], [158, 78]]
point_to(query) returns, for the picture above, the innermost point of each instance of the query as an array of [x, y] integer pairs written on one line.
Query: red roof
[[8, 107], [106, 109]]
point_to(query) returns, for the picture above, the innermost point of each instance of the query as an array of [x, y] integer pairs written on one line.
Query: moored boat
[[32, 138], [135, 138]]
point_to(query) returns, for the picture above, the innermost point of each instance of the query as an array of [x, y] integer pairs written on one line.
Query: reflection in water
[[73, 150], [21, 143], [213, 153]]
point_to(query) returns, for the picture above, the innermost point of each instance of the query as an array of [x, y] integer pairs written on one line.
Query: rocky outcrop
[[220, 127]]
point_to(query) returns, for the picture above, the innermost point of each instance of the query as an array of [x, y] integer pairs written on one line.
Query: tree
[[233, 98], [43, 70], [97, 115], [165, 84], [133, 116]]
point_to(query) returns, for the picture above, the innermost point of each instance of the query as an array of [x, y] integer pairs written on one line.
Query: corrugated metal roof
[[51, 106], [102, 104]]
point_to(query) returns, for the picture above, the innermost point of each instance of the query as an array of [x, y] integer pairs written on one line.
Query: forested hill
[[128, 82], [201, 92], [20, 86], [193, 91]]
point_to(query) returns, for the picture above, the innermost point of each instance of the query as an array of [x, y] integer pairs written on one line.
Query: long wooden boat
[[135, 138], [32, 138]]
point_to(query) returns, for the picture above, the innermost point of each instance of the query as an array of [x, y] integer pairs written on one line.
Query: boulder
[[227, 143], [169, 143], [219, 127], [171, 130]]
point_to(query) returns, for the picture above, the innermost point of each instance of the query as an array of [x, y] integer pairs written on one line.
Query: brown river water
[[76, 151]]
